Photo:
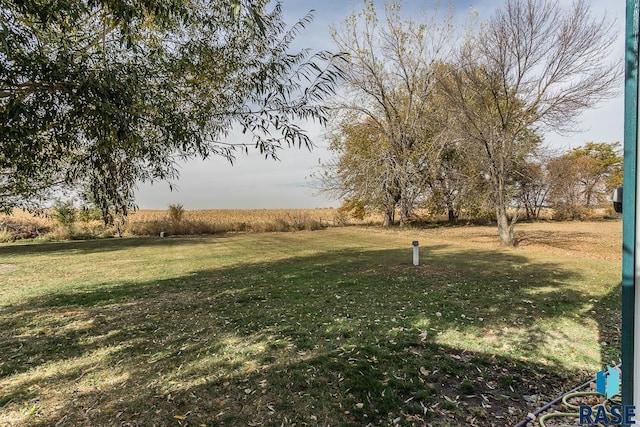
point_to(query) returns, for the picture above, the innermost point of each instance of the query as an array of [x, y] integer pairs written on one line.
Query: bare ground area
[[7, 268], [594, 239]]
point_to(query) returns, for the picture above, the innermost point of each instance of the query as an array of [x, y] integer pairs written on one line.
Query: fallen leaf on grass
[[450, 400]]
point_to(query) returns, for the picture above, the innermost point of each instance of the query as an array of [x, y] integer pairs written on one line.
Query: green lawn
[[331, 327]]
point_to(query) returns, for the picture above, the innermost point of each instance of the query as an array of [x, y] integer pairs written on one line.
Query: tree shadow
[[104, 245], [566, 240], [356, 336], [607, 312]]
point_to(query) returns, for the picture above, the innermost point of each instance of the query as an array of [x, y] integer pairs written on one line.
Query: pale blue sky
[[253, 182]]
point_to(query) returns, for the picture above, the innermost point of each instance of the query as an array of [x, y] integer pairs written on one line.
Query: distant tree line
[[427, 120]]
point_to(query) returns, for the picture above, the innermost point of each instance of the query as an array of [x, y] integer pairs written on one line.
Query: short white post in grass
[[416, 253]]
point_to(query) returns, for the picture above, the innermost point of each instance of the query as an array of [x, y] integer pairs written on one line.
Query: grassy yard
[[331, 328]]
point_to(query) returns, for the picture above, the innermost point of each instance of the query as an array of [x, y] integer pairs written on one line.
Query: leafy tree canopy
[[97, 95], [533, 66], [388, 135], [594, 169]]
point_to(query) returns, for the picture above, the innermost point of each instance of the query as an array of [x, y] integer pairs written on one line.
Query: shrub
[[312, 224], [64, 213], [6, 236], [340, 218], [172, 228], [282, 224], [87, 214], [569, 212], [176, 212]]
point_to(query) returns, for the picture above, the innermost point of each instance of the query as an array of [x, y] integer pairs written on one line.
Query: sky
[[254, 182]]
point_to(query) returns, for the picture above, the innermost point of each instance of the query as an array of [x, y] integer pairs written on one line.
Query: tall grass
[[173, 221], [178, 221], [24, 225], [150, 223]]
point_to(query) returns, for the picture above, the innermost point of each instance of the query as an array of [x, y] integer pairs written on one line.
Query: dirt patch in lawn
[[7, 268], [596, 240], [593, 239], [600, 240]]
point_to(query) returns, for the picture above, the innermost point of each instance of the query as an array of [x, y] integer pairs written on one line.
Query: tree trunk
[[453, 218], [404, 212], [386, 222], [389, 214], [505, 228], [588, 193], [391, 201]]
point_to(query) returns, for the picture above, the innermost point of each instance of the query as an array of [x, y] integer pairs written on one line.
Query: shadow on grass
[[340, 338], [607, 312], [103, 245]]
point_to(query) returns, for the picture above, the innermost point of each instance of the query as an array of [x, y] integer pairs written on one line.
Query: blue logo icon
[[608, 384]]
